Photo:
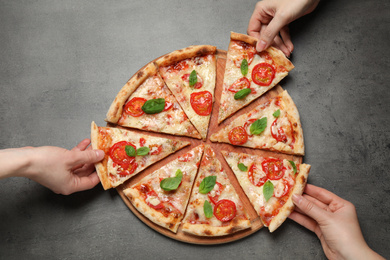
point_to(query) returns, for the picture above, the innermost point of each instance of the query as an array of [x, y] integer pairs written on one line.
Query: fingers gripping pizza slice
[[249, 74], [146, 103], [269, 184], [128, 153], [163, 195], [215, 209], [190, 74], [274, 125]]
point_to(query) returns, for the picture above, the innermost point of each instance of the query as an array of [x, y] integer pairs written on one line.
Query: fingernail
[[261, 45], [296, 198], [99, 153]]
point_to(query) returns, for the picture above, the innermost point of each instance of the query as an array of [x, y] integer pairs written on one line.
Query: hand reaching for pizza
[[335, 223], [61, 170], [270, 19]]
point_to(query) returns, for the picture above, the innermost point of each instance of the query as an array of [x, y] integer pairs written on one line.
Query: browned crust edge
[[182, 54], [115, 111]]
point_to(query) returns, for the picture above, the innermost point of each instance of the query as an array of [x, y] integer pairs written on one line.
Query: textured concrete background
[[63, 62]]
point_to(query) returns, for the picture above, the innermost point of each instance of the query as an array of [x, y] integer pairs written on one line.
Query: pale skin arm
[[270, 19], [61, 170], [334, 221]]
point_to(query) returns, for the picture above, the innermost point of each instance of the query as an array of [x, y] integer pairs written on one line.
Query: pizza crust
[[207, 230], [171, 222], [186, 53], [288, 207], [115, 111]]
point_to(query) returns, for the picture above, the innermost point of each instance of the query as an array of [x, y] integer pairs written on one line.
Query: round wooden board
[[217, 147]]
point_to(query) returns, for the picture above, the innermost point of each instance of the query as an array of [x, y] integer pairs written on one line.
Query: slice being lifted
[[146, 103], [215, 208], [190, 74], [249, 74], [274, 125], [163, 195], [128, 153], [269, 183]]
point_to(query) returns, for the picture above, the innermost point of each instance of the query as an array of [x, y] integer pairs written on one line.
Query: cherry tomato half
[[239, 84], [134, 106], [155, 149], [214, 199], [238, 136], [152, 193], [263, 74], [118, 153], [254, 178], [225, 210], [273, 168], [202, 102]]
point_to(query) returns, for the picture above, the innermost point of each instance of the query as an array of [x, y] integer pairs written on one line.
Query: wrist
[[16, 162]]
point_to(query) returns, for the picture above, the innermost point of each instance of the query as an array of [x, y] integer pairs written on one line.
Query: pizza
[[162, 196], [128, 153], [269, 184], [274, 125], [190, 74], [214, 209], [146, 103], [249, 74]]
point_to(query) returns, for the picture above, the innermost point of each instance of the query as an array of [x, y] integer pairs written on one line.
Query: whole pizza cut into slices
[[146, 103], [249, 74], [269, 184], [162, 196], [274, 125], [190, 74], [214, 209], [128, 153]]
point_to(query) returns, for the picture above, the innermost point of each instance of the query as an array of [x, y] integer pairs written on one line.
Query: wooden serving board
[[217, 147]]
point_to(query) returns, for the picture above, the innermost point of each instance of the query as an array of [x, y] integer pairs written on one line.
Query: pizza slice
[[269, 184], [190, 74], [128, 153], [249, 74], [214, 209], [274, 125], [163, 195], [146, 103]]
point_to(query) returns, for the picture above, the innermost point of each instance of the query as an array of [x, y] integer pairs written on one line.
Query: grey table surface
[[63, 62]]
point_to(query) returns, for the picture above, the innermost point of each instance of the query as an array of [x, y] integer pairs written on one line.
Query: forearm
[[15, 162]]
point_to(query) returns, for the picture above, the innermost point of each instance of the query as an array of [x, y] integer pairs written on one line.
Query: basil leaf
[[276, 113], [268, 190], [208, 209], [294, 166], [172, 183], [207, 184], [154, 106], [193, 78], [130, 151], [258, 126], [242, 167], [143, 150], [244, 67], [242, 93]]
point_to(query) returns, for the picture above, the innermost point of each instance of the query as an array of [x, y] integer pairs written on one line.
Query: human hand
[[270, 19], [334, 221], [64, 171]]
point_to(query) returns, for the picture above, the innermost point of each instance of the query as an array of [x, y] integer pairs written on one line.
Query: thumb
[[309, 208], [86, 157]]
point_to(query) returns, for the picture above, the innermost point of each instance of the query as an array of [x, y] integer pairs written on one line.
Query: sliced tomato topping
[[168, 105], [273, 168], [248, 124], [134, 106], [278, 132], [142, 141], [248, 52], [202, 102], [198, 84], [118, 153], [179, 66], [238, 136], [217, 193], [263, 74], [225, 210], [282, 189], [155, 149], [239, 84], [255, 177]]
